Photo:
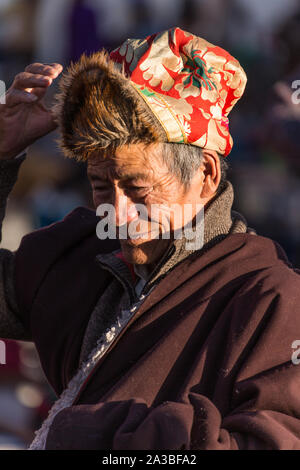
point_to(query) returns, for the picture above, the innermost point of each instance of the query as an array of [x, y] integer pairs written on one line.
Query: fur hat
[[169, 87]]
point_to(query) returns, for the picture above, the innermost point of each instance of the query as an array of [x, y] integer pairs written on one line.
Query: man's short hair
[[183, 160]]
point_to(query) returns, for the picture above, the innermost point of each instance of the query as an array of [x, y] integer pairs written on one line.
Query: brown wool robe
[[205, 361]]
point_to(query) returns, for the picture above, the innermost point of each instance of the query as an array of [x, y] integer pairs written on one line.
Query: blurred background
[[264, 164]]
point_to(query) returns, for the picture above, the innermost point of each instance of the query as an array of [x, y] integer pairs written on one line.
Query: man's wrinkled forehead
[[130, 162]]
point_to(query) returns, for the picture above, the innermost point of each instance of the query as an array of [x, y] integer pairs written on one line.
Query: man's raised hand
[[24, 117]]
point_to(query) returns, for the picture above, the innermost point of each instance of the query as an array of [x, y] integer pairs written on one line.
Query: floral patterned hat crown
[[189, 84]]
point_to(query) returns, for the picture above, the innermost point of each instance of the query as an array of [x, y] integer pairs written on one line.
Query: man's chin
[[141, 251], [136, 251]]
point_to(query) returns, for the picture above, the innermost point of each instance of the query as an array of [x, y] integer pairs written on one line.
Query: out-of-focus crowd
[[264, 163]]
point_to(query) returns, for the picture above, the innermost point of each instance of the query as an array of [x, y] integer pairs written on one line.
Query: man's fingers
[[32, 84], [14, 97], [51, 70], [29, 80]]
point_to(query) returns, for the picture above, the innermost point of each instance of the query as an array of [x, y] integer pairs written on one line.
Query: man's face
[[136, 174]]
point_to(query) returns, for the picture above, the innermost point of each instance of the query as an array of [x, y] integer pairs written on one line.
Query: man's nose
[[124, 208]]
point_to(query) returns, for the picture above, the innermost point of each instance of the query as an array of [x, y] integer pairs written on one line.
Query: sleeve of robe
[[11, 326], [264, 402]]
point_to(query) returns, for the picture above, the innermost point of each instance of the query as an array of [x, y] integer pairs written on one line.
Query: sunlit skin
[[137, 174]]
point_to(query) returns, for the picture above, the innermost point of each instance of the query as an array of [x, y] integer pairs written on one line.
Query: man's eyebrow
[[120, 176], [132, 176]]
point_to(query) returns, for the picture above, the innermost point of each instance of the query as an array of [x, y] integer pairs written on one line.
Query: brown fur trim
[[97, 108]]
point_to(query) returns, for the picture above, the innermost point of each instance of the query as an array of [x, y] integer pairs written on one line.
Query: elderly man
[[151, 343]]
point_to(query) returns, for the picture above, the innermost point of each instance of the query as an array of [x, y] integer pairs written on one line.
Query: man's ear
[[212, 173]]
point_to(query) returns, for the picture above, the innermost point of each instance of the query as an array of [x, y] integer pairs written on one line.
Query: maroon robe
[[205, 362]]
